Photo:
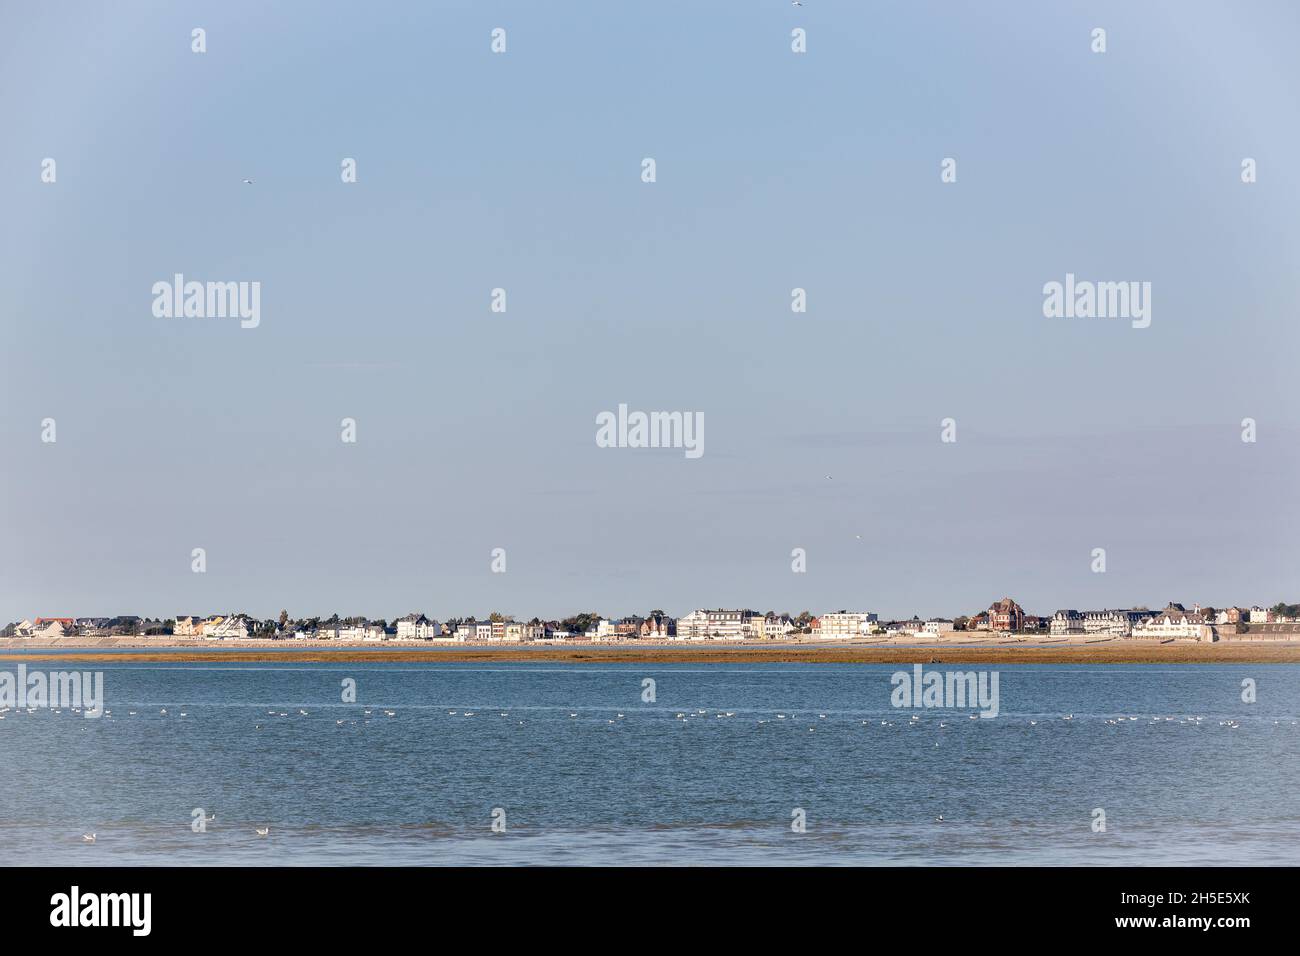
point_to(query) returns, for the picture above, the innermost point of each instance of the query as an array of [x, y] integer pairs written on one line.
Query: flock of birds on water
[[683, 716]]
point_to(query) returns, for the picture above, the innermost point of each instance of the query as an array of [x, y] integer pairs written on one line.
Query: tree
[[496, 617], [284, 618]]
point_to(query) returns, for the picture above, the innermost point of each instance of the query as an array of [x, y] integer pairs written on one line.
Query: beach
[[1022, 651]]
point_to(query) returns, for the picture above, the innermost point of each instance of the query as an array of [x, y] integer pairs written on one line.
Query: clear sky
[[522, 170]]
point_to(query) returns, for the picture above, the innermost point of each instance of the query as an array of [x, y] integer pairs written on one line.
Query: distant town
[[1002, 619]]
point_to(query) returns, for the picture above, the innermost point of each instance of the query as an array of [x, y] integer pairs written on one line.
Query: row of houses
[[1175, 622], [733, 625], [56, 627]]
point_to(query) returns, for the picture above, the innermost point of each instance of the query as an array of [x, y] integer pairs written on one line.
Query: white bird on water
[[88, 837], [263, 831]]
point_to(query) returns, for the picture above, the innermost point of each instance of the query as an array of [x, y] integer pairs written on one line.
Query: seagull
[[88, 837], [263, 831], [210, 818], [248, 182], [939, 818], [796, 3]]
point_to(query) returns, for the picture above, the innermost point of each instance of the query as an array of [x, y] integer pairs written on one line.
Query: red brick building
[[1006, 615]]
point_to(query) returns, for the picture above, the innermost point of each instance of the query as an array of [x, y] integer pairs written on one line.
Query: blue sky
[[522, 171]]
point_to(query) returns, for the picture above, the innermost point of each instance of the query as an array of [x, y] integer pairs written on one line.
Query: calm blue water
[[649, 787]]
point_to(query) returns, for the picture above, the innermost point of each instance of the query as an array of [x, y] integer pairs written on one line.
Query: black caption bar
[[140, 907]]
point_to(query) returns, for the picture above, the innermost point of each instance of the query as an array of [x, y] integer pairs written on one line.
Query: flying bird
[[248, 182]]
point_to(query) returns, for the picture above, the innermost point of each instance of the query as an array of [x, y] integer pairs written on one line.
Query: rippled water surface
[[711, 772]]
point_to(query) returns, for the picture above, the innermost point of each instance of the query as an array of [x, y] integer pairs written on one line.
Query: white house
[[1174, 623], [774, 626], [228, 628], [938, 627], [722, 625], [474, 631], [1065, 623], [48, 628], [417, 627], [841, 625], [361, 632]]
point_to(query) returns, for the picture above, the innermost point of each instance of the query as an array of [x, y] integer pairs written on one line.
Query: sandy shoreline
[[990, 651]]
